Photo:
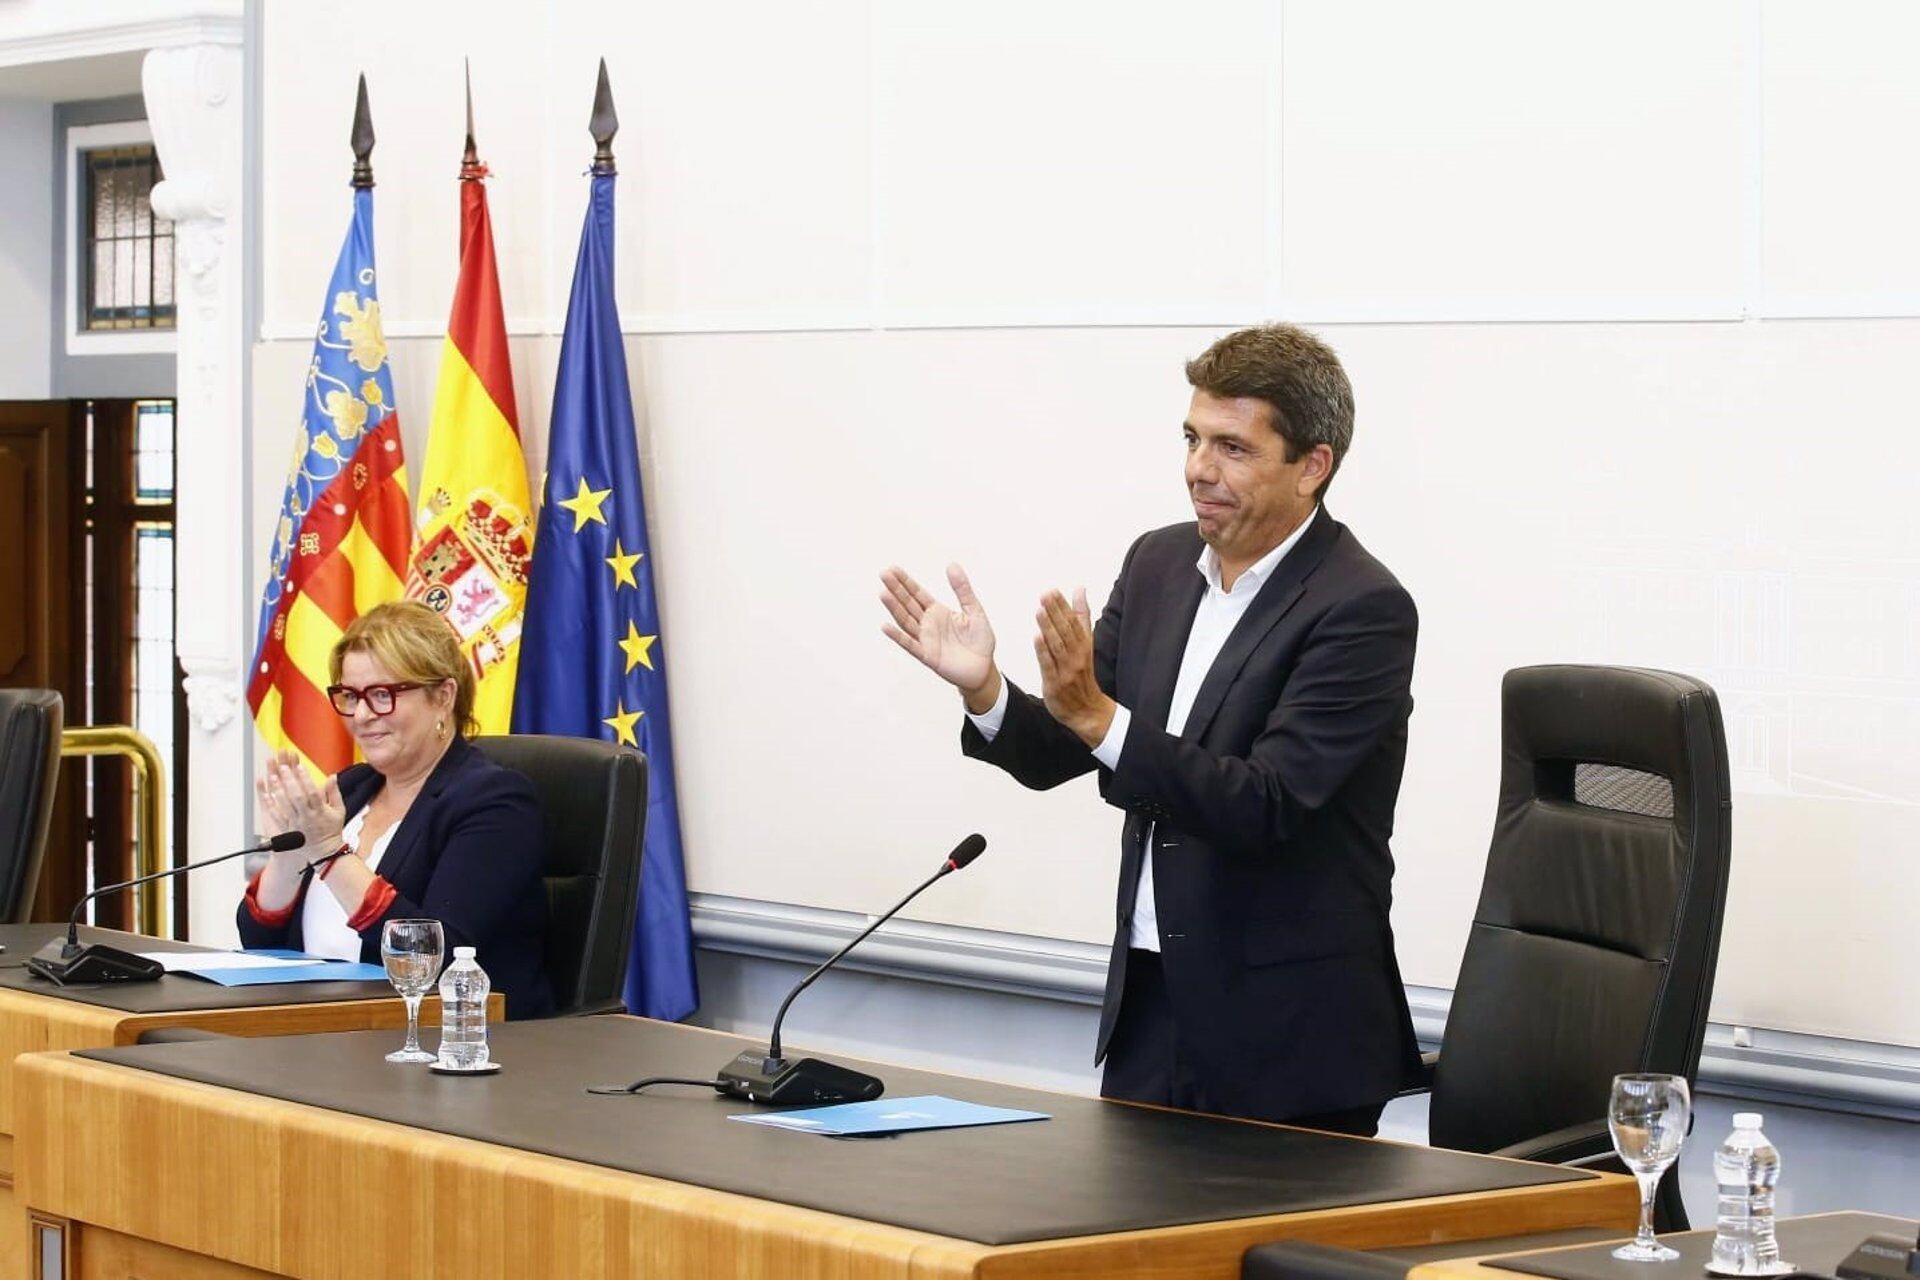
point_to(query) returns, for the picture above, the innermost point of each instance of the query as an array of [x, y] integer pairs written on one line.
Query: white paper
[[205, 961]]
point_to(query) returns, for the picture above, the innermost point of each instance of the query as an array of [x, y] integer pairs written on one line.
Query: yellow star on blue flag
[[622, 565], [622, 722], [585, 505], [637, 648]]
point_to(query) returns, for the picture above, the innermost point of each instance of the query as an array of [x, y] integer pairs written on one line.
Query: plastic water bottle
[[1746, 1166], [463, 1013]]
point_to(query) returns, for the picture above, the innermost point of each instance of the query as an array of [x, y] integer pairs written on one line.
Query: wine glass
[[1648, 1116], [412, 950]]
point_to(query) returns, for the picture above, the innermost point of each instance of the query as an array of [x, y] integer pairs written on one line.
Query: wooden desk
[[159, 1176], [33, 1021], [1813, 1242]]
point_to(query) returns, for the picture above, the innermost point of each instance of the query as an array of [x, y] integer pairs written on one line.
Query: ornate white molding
[[195, 96], [213, 692], [192, 107], [151, 25]]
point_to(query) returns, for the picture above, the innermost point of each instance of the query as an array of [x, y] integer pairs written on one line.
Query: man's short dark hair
[[1296, 374]]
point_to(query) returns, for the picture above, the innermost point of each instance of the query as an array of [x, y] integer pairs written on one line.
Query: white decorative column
[[194, 105]]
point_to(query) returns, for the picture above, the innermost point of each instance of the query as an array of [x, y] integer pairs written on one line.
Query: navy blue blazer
[[1270, 813], [469, 854]]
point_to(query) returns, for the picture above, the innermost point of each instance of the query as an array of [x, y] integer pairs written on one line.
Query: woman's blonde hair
[[414, 643]]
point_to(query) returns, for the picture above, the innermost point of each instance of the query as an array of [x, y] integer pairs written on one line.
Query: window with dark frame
[[126, 258], [133, 673]]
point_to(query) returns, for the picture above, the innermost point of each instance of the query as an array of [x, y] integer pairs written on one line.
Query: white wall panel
[[787, 473], [1072, 162], [1842, 115], [1501, 159], [1655, 495], [743, 153], [417, 96]]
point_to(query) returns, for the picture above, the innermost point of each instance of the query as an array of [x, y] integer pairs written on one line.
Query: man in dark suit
[[1244, 696]]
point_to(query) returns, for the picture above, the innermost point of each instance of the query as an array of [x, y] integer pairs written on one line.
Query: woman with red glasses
[[427, 828]]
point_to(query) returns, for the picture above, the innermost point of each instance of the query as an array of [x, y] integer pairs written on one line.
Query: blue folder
[[320, 970], [889, 1115]]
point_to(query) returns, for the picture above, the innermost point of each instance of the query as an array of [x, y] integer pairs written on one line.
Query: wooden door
[[43, 604]]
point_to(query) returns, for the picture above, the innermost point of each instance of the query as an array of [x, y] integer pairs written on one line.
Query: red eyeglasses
[[379, 697]]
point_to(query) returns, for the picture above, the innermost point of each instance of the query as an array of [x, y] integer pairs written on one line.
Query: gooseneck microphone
[[67, 961], [767, 1076]]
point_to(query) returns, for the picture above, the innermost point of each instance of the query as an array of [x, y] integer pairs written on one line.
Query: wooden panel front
[[266, 1184], [108, 1255], [35, 1024]]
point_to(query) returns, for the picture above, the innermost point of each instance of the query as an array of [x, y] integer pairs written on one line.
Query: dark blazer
[[469, 854], [1270, 815]]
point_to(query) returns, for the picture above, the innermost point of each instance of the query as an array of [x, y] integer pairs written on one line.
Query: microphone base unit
[[793, 1082], [66, 963], [1882, 1258]]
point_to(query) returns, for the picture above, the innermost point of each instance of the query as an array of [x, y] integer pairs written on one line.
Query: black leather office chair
[[594, 795], [1594, 944], [30, 723]]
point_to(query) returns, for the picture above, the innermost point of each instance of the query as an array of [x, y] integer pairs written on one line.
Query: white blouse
[[323, 921]]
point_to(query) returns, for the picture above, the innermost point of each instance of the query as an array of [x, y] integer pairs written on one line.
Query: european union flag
[[591, 662]]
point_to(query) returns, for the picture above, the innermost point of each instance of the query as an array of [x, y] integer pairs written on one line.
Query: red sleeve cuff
[[262, 916], [379, 897]]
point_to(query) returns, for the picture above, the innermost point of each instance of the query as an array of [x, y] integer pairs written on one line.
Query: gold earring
[[440, 727]]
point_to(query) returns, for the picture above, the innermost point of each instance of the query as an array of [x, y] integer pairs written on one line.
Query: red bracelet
[[326, 864]]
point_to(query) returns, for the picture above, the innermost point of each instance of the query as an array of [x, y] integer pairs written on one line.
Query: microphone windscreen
[[286, 841], [967, 850]]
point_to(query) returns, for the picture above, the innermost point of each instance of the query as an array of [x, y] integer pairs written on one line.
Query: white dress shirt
[[1219, 612], [323, 921]]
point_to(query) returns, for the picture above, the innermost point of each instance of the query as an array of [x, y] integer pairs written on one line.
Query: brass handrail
[[150, 812]]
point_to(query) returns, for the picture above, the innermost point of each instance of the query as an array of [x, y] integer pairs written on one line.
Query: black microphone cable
[[615, 1090]]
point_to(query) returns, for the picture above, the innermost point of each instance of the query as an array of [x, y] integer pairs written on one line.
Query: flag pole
[[470, 167], [603, 124], [362, 140]]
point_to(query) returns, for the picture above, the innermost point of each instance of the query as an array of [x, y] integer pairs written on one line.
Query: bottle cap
[[1741, 1119], [466, 953]]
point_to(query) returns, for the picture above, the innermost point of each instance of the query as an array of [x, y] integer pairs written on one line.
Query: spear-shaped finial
[[604, 124], [362, 139], [470, 166]]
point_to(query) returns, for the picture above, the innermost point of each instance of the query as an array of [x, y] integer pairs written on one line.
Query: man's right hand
[[956, 646]]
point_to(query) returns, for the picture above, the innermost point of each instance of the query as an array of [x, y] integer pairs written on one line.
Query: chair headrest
[[575, 780], [1626, 717]]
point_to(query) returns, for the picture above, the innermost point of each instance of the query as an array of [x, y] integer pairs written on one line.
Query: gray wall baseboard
[[1801, 1070]]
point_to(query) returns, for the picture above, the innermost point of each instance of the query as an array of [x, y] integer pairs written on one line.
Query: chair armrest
[[1423, 1083], [1577, 1144], [612, 1005], [1298, 1260]]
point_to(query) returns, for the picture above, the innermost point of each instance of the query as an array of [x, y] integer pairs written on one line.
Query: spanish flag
[[470, 564], [342, 541]]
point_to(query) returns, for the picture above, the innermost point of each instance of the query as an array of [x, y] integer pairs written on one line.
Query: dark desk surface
[[1818, 1243], [1094, 1167], [172, 993]]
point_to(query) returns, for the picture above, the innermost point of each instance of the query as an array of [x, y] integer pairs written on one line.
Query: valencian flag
[[475, 544], [342, 541], [591, 662]]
